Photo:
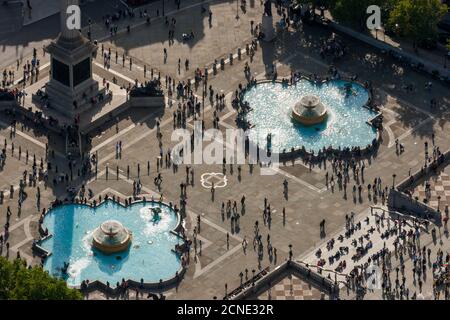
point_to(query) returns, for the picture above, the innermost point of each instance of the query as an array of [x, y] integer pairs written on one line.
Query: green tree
[[350, 12], [315, 4], [417, 19], [353, 12], [17, 282]]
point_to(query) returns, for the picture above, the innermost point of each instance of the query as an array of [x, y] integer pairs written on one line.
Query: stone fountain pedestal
[[111, 237], [309, 111]]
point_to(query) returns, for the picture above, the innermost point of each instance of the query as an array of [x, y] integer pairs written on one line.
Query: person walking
[[210, 18]]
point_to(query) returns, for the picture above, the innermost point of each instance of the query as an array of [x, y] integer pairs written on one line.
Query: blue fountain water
[[346, 125], [149, 256]]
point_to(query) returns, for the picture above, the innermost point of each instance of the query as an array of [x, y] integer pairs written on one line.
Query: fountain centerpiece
[[111, 237], [309, 111], [156, 214]]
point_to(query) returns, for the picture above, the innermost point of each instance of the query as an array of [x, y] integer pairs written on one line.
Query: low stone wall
[[105, 118], [405, 204], [279, 273], [424, 172], [303, 153], [141, 102], [148, 286], [147, 102], [39, 251], [401, 198], [15, 108]]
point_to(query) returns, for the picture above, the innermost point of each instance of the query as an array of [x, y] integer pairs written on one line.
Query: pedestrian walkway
[[40, 9], [10, 17], [429, 59]]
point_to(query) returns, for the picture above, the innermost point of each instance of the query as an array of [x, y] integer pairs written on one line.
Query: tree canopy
[[17, 282], [417, 19], [353, 12], [316, 3]]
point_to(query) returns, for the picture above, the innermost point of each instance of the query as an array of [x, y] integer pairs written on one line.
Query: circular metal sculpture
[[111, 237], [309, 111]]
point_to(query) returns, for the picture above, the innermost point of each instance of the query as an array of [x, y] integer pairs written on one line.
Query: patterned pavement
[[292, 288], [301, 226], [438, 187]]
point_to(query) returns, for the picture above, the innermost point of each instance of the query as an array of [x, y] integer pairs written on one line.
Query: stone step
[[62, 102]]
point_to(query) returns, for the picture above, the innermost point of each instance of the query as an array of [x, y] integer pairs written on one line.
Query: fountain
[[309, 111], [310, 116], [80, 234], [111, 237]]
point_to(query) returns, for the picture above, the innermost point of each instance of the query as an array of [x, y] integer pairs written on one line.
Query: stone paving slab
[[305, 207], [439, 187]]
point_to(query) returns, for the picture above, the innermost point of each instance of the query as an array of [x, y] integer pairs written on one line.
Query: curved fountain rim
[[165, 282], [303, 77], [332, 149]]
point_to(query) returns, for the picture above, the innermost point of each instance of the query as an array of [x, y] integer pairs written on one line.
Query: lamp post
[[89, 32], [203, 99], [393, 180], [237, 9]]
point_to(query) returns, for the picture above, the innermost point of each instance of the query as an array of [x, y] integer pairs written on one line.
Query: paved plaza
[[214, 270]]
